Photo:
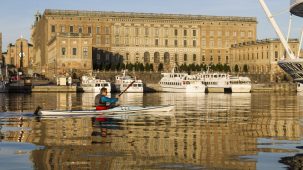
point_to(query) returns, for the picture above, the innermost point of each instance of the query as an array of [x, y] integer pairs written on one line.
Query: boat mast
[[277, 29]]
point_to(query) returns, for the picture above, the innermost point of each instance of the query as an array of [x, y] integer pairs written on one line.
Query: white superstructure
[[215, 82], [240, 84], [181, 83], [93, 85], [123, 81]]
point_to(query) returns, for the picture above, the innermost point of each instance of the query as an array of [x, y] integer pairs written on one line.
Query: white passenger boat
[[181, 83], [115, 110], [93, 85], [299, 87], [240, 84], [123, 81], [215, 82]]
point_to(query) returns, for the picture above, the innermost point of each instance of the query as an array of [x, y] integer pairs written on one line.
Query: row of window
[[212, 43], [147, 31], [74, 51], [105, 30]]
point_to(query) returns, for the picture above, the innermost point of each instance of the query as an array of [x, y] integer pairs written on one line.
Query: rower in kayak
[[103, 102]]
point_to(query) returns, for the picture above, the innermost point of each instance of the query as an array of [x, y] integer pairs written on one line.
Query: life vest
[[102, 107]]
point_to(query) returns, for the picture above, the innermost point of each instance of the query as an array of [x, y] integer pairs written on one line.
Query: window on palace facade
[[98, 30], [176, 43], [98, 40], [276, 55], [219, 59], [211, 43], [235, 33], [211, 33], [226, 59], [127, 41], [219, 43], [89, 30], [126, 31], [146, 31], [194, 43], [117, 41], [71, 29], [85, 52], [156, 42], [185, 57], [166, 42], [176, 32], [194, 33], [107, 41], [137, 41], [106, 30], [156, 31], [219, 33], [227, 33], [227, 43], [249, 34], [185, 32], [185, 43], [203, 43], [53, 28], [137, 31], [211, 58], [176, 57], [203, 58], [63, 51], [242, 34], [267, 55], [117, 30], [194, 57], [80, 30], [203, 33], [62, 28], [166, 32], [74, 51]]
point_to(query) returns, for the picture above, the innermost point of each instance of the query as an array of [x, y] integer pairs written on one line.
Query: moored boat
[[215, 82], [181, 83], [93, 85], [3, 86], [123, 81], [240, 84]]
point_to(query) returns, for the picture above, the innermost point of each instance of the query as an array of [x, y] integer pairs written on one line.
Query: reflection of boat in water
[[123, 81], [93, 85], [181, 82], [292, 65], [240, 84]]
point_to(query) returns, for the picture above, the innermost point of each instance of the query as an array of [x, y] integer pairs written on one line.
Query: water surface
[[205, 131]]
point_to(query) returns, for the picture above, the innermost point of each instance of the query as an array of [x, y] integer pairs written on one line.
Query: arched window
[[156, 57], [166, 58]]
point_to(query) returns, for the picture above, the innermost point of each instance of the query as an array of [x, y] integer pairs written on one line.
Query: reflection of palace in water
[[151, 142]]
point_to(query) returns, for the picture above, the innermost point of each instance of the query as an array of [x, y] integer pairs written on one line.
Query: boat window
[[135, 85], [139, 85]]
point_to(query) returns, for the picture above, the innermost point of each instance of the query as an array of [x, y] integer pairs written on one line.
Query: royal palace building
[[260, 57], [66, 39]]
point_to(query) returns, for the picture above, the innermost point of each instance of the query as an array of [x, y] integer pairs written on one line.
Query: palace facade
[[135, 37], [260, 57]]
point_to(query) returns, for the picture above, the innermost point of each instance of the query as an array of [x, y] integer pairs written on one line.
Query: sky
[[17, 16]]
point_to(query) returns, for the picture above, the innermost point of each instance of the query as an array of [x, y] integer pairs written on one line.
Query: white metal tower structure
[[292, 65]]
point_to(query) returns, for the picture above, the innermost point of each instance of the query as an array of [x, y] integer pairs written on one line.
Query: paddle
[[127, 88], [37, 110]]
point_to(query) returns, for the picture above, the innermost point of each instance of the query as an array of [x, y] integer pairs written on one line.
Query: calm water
[[205, 131]]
